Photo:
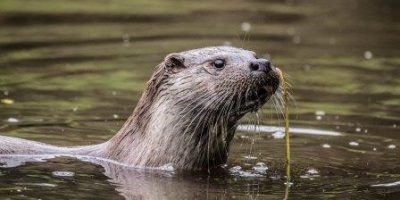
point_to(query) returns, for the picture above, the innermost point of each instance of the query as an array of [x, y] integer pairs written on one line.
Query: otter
[[187, 114]]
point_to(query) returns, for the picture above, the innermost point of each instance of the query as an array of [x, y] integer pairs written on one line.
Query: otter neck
[[162, 132]]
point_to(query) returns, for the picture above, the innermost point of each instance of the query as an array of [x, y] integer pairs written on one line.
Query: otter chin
[[188, 112]]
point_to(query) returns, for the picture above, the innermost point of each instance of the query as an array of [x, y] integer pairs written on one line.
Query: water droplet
[[250, 157], [63, 173], [245, 26], [167, 167], [278, 135], [327, 146], [7, 101], [249, 174], [288, 183], [235, 169], [12, 120], [312, 171], [244, 137], [310, 174], [368, 55], [260, 167], [354, 144]]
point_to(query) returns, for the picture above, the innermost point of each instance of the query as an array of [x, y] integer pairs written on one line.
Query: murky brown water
[[75, 71]]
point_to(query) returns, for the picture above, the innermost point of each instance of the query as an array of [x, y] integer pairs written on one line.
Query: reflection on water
[[74, 72]]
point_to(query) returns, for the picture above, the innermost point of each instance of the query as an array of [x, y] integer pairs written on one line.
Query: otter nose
[[260, 65]]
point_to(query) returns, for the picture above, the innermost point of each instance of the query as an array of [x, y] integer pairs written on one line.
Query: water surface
[[75, 71]]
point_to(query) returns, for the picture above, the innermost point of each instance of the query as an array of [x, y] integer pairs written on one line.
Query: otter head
[[224, 80], [188, 113]]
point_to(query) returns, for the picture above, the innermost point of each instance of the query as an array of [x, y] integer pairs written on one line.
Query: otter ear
[[174, 62]]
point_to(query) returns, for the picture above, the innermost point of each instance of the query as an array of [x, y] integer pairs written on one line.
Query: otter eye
[[219, 64]]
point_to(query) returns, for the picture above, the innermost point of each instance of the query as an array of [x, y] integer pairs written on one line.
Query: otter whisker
[[202, 115], [193, 107], [220, 118]]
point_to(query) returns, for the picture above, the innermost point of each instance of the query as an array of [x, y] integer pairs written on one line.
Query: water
[[75, 72]]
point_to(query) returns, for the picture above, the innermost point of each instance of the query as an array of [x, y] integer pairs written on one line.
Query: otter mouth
[[254, 101], [257, 97]]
